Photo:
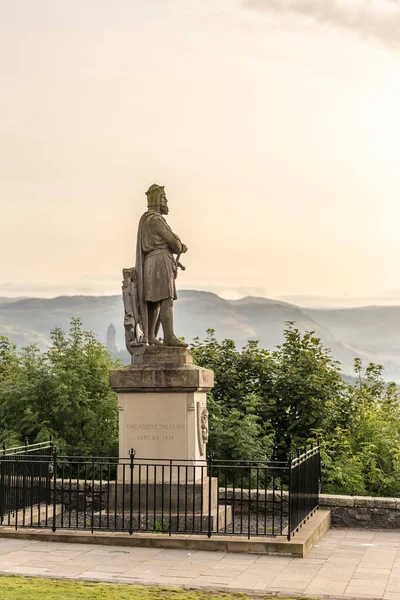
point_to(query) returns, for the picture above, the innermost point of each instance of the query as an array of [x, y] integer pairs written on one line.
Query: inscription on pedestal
[[152, 432], [156, 426]]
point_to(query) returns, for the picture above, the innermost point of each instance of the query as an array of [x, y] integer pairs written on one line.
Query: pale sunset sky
[[273, 124]]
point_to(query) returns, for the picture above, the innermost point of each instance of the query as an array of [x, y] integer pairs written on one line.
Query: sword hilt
[[179, 264]]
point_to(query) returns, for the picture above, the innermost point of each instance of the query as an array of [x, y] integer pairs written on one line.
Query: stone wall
[[347, 511], [362, 511], [261, 501], [80, 496]]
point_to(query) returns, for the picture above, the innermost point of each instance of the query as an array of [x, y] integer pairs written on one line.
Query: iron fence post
[[249, 504], [209, 465], [319, 470], [54, 488], [290, 503], [131, 456], [170, 498], [307, 484], [23, 490], [93, 498], [49, 476], [2, 490]]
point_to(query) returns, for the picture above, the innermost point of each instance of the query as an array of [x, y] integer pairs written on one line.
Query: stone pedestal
[[163, 409], [163, 417]]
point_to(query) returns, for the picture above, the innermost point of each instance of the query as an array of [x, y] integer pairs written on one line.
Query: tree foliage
[[296, 395], [263, 402], [361, 442], [237, 430], [286, 392], [63, 392]]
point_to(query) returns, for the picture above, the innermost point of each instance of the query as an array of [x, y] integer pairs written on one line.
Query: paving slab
[[364, 591], [345, 564], [325, 587]]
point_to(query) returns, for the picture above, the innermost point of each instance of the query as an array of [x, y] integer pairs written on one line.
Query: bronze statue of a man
[[156, 270]]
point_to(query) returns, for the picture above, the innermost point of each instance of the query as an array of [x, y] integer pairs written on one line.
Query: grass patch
[[29, 588]]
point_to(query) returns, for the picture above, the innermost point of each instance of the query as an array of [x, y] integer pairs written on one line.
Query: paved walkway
[[346, 563]]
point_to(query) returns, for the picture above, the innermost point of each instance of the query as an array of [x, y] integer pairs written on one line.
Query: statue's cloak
[[155, 265], [140, 277]]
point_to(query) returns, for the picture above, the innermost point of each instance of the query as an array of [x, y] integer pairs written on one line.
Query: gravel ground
[[241, 524]]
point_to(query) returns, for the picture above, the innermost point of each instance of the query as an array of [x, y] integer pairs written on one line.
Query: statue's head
[[157, 199]]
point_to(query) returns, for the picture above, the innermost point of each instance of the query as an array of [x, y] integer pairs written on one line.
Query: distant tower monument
[[111, 339]]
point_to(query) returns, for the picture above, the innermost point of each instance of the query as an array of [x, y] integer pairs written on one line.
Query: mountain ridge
[[372, 333]]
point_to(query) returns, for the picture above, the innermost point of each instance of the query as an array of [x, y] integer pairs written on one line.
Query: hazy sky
[[274, 125]]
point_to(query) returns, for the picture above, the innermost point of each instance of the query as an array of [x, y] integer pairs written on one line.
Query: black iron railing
[[212, 497], [25, 475], [31, 450], [304, 485]]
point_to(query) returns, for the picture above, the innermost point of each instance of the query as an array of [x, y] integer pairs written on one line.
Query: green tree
[[277, 397], [361, 443], [64, 392], [236, 428], [306, 383], [8, 359]]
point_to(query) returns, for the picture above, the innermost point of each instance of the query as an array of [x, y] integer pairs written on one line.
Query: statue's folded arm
[[164, 231]]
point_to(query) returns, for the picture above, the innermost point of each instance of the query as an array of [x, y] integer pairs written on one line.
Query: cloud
[[379, 19]]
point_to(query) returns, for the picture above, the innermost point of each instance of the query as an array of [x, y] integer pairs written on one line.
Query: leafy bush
[[295, 395], [64, 392], [361, 444]]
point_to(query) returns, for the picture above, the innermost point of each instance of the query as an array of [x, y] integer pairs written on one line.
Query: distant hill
[[372, 333], [250, 318]]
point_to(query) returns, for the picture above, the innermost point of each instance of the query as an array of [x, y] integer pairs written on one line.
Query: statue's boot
[[155, 342], [174, 341]]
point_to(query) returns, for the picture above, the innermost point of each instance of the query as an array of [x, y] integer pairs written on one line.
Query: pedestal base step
[[194, 496]]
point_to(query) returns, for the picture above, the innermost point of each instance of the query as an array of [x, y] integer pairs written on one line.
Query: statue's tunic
[[158, 244]]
